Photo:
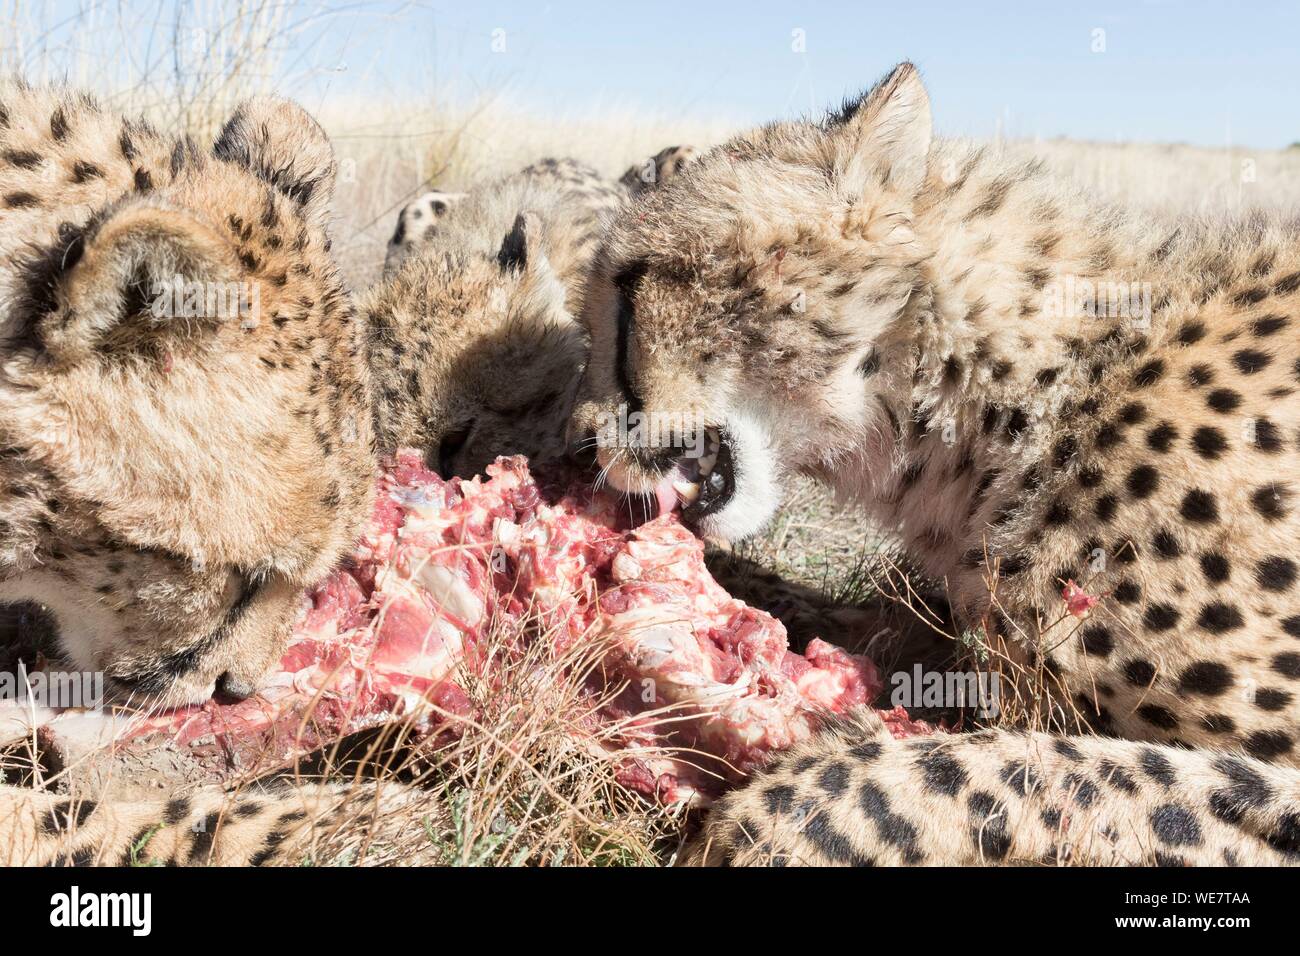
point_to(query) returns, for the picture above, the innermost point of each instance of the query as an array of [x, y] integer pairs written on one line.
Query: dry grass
[[530, 778], [1177, 180], [183, 66]]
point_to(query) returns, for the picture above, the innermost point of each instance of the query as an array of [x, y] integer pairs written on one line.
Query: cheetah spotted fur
[[169, 483], [846, 300]]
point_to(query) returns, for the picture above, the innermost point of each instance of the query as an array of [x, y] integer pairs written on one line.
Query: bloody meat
[[443, 564]]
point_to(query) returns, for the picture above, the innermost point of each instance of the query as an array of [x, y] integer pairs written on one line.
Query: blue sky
[[1198, 72]]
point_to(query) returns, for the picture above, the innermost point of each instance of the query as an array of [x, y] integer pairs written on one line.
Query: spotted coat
[[940, 335]]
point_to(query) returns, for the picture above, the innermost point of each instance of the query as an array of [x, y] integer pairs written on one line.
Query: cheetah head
[[184, 408], [735, 310], [476, 353]]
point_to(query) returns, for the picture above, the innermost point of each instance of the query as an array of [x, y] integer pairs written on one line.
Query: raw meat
[[445, 564]]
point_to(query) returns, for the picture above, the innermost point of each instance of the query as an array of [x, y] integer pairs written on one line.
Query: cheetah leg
[[856, 796], [209, 827]]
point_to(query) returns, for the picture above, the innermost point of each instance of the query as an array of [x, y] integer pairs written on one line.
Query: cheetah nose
[[229, 685]]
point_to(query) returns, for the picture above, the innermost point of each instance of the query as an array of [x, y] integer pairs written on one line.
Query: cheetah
[[922, 327], [492, 290], [185, 439], [169, 484]]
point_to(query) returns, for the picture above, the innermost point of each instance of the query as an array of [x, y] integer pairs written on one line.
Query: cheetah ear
[[279, 142], [513, 255], [885, 131], [131, 273]]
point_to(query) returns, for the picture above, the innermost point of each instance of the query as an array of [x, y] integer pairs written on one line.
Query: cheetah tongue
[[666, 495], [680, 487]]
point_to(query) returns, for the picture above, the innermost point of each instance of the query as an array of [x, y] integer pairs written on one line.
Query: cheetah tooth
[[687, 491], [710, 457]]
